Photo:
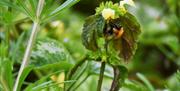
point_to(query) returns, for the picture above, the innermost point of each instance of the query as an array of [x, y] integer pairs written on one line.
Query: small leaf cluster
[[118, 11]]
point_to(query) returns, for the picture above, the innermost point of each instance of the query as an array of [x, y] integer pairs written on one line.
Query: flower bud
[[108, 13]]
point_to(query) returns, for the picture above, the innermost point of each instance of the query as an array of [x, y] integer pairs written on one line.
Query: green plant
[[65, 55], [112, 35], [37, 13]]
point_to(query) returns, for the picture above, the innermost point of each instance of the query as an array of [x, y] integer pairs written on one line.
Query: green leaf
[[9, 4], [42, 84], [50, 84], [127, 44], [100, 23], [146, 82], [65, 5], [25, 73], [7, 17], [60, 65], [94, 69], [25, 9], [173, 82], [4, 49], [20, 6], [134, 86], [123, 74], [6, 76], [178, 76], [33, 4], [49, 53], [18, 48], [41, 80], [92, 24]]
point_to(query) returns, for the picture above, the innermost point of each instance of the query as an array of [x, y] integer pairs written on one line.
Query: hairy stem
[[103, 64], [30, 43], [115, 83], [101, 76]]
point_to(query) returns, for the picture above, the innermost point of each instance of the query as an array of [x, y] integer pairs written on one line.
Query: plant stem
[[7, 38], [73, 70], [30, 44], [78, 76], [27, 54], [81, 82], [103, 64], [115, 83]]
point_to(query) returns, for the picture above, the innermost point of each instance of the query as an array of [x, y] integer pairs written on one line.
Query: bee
[[112, 31], [118, 32]]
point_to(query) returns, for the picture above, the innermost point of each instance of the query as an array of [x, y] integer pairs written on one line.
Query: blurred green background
[[157, 56]]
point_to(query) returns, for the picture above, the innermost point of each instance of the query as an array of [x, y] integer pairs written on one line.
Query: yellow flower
[[108, 13], [59, 79]]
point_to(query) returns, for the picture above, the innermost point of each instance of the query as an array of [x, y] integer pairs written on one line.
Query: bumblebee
[[118, 32], [112, 31]]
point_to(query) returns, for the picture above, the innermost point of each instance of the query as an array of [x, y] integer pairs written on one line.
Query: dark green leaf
[[100, 25], [93, 26], [127, 44], [89, 34]]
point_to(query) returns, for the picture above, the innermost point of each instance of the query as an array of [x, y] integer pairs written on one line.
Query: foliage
[[6, 76], [59, 51], [119, 31], [49, 52]]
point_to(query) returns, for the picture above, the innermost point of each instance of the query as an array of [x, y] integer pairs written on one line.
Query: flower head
[[109, 10], [108, 13]]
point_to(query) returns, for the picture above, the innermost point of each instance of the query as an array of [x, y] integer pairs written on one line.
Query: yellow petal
[[60, 79]]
